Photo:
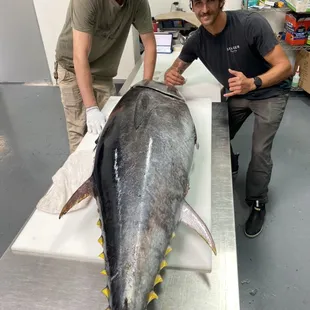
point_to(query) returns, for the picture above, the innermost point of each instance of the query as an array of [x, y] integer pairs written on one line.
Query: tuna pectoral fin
[[85, 190], [192, 219]]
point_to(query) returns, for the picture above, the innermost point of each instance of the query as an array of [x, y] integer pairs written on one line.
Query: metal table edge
[[222, 213]]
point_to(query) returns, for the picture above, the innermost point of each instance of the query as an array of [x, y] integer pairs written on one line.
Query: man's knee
[[238, 112], [270, 112]]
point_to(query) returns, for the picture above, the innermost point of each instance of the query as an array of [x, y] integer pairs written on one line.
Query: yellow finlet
[[158, 280], [108, 308], [99, 224], [163, 264], [173, 235], [106, 292], [169, 249], [102, 255], [104, 272], [100, 240], [152, 296]]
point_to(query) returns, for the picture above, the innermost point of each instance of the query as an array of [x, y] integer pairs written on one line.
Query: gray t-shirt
[[241, 46]]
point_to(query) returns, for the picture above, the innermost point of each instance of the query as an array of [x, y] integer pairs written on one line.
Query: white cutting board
[[75, 235]]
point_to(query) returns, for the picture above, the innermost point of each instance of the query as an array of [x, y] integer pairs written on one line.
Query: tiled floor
[[274, 268]]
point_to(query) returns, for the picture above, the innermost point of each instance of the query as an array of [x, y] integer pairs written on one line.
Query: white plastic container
[[295, 82]]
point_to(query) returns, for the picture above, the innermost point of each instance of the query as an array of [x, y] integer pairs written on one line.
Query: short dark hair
[[191, 2]]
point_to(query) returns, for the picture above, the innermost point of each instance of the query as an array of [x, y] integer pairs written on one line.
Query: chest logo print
[[233, 49]]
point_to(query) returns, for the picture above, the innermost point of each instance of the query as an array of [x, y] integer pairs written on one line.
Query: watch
[[258, 82]]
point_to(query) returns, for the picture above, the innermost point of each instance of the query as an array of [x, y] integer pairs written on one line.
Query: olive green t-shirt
[[109, 23]]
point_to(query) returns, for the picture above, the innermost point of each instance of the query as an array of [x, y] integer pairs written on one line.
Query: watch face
[[258, 82]]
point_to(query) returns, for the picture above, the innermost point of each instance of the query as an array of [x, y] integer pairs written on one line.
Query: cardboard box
[[296, 28], [303, 61]]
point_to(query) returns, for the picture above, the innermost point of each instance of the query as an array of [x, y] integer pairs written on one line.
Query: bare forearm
[[149, 62], [84, 81], [180, 65], [82, 43], [276, 74], [150, 54], [173, 75]]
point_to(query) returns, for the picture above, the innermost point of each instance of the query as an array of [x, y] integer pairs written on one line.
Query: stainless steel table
[[36, 282]]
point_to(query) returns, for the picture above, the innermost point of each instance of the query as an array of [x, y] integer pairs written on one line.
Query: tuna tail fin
[[192, 219], [85, 190]]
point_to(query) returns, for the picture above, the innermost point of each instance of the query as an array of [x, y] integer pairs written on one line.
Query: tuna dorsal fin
[[192, 219], [85, 190]]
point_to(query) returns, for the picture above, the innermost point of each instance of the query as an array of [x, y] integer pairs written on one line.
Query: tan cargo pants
[[73, 104]]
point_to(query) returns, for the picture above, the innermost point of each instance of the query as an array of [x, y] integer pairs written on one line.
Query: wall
[[130, 56], [163, 6], [22, 57], [51, 16]]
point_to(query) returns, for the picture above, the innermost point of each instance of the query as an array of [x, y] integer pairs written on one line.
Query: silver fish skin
[[140, 178]]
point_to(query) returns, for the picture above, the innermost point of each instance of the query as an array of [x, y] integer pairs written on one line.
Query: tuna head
[[140, 179]]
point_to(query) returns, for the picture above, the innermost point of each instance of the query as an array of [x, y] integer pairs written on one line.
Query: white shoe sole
[[253, 236]]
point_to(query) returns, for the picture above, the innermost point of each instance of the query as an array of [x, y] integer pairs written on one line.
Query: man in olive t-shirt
[[88, 54]]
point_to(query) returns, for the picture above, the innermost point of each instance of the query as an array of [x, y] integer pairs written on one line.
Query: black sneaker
[[255, 222]]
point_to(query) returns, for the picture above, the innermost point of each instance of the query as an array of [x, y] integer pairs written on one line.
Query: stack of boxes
[[297, 32], [297, 27]]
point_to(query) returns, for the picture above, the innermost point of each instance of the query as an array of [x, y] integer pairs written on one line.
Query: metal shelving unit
[[287, 46], [296, 89], [264, 8], [269, 9], [284, 9], [284, 44]]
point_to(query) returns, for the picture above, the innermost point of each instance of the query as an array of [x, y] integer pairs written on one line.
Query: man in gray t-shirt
[[240, 49]]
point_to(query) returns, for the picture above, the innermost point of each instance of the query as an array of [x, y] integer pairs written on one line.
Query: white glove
[[96, 120]]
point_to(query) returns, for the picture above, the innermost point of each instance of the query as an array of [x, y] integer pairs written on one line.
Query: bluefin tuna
[[140, 180]]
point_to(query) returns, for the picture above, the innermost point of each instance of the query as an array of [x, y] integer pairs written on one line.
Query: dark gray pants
[[268, 116]]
